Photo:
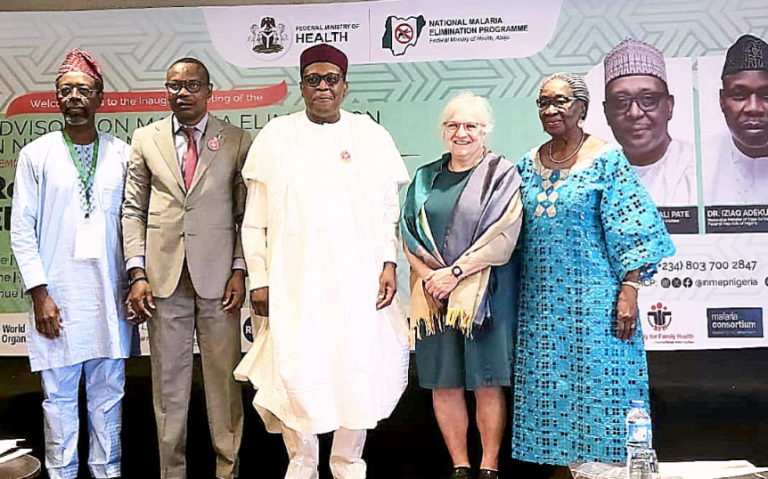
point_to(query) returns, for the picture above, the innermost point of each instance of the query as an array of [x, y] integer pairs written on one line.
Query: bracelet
[[136, 280], [634, 284]]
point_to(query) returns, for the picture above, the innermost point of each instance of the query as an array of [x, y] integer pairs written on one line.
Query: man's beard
[[76, 120]]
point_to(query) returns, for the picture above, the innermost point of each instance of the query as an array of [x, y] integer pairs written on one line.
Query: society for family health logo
[[401, 33], [270, 39], [659, 317]]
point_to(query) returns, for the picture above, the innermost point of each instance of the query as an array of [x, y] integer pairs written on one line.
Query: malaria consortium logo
[[659, 317]]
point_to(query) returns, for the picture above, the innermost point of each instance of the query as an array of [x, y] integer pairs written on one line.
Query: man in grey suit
[[184, 201]]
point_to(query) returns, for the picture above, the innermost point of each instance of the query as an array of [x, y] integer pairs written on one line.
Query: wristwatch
[[457, 271]]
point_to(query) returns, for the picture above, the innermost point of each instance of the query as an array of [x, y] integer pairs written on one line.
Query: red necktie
[[190, 157]]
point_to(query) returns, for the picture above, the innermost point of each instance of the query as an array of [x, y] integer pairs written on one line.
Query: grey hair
[[577, 84], [474, 103]]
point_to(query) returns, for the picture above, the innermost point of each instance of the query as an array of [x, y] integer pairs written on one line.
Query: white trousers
[[104, 383], [346, 454]]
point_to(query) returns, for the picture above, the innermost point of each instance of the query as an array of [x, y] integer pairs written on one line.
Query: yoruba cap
[[748, 53], [81, 61], [634, 57]]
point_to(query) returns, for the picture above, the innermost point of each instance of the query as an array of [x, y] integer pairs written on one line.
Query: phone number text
[[681, 265]]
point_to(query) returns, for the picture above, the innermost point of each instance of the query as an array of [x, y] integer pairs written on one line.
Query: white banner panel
[[383, 32], [710, 295]]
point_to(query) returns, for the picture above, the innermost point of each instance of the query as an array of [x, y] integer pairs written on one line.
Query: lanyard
[[86, 176]]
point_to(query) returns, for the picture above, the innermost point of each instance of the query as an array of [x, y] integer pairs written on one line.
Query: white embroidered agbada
[[731, 177], [671, 181], [46, 212], [327, 198]]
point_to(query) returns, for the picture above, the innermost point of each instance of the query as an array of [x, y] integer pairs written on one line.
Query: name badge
[[89, 239]]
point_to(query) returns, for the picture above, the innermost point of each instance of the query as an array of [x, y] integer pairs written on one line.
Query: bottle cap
[[637, 403]]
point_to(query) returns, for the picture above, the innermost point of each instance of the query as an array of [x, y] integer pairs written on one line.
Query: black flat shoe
[[461, 473], [488, 474]]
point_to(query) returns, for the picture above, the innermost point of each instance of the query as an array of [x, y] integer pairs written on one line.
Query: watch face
[[456, 271]]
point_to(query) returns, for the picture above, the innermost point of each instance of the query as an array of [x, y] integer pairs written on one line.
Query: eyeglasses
[[192, 86], [559, 102], [470, 127], [313, 80], [646, 102], [68, 91]]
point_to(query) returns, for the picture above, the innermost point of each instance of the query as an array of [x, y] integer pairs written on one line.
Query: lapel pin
[[345, 156], [213, 143]]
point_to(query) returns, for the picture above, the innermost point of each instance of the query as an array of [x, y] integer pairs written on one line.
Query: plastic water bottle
[[641, 458]]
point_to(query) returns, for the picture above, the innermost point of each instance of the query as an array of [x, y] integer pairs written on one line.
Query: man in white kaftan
[[66, 236], [638, 108], [320, 242], [736, 165], [671, 181], [731, 177]]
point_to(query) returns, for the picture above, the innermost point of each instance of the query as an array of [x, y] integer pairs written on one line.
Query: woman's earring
[[580, 124]]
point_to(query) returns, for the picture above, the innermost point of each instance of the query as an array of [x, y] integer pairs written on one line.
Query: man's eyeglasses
[[646, 102], [68, 91], [559, 102], [313, 80], [470, 127], [192, 86]]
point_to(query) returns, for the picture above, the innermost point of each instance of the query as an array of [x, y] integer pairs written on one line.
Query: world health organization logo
[[401, 33], [269, 39]]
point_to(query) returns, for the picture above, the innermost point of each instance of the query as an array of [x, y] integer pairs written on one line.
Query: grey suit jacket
[[169, 225]]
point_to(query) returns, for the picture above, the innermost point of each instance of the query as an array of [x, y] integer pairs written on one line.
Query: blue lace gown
[[584, 229]]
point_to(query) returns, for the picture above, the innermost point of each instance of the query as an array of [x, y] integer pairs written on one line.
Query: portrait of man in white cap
[[735, 164], [638, 108]]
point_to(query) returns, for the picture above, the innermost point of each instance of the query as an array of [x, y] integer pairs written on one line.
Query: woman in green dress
[[461, 219]]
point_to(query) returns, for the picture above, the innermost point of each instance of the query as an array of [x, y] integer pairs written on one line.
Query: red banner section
[[150, 101]]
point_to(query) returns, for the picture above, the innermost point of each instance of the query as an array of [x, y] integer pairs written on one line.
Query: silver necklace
[[564, 160]]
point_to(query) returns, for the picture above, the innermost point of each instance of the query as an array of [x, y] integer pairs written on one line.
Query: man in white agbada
[[319, 236], [638, 108], [736, 164], [65, 233]]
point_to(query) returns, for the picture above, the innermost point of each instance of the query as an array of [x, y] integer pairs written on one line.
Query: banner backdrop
[[407, 59]]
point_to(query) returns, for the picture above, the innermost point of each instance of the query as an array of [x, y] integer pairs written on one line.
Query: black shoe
[[463, 472], [488, 474]]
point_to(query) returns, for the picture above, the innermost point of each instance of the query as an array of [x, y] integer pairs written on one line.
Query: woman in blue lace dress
[[591, 233]]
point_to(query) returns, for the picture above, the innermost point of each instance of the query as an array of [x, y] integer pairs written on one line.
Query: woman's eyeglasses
[[559, 102], [469, 126]]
